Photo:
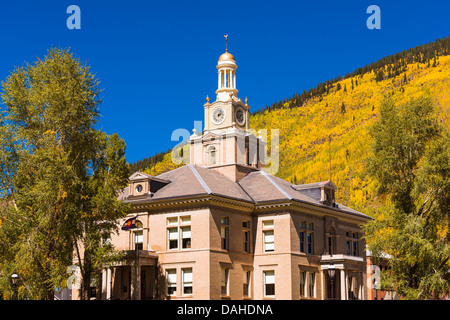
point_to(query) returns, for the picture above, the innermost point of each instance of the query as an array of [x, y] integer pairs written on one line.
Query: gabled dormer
[[142, 185], [323, 192]]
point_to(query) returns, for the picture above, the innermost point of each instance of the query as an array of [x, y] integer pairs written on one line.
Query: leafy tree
[[411, 162], [59, 175]]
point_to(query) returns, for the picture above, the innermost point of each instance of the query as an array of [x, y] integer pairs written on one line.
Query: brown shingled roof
[[257, 187]]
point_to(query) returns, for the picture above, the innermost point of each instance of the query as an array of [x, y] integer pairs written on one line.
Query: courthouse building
[[222, 227]]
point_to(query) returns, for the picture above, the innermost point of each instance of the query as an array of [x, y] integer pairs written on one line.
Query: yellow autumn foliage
[[305, 150], [317, 134]]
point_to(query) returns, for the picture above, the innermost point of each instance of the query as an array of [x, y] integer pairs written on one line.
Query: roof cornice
[[211, 200]]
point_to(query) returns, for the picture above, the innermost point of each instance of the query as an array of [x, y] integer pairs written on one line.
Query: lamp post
[[14, 278], [331, 275]]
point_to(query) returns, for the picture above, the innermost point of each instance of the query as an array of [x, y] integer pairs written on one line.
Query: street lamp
[[14, 278], [331, 275]]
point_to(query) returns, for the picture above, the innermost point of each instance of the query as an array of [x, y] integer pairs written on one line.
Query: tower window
[[212, 155]]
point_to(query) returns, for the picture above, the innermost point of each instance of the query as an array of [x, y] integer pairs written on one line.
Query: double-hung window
[[171, 275], [224, 233], [187, 280], [310, 237], [179, 232], [302, 283], [246, 229], [268, 236], [246, 282], [269, 283], [224, 282]]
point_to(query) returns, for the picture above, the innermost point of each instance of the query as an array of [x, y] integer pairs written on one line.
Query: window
[[246, 281], [224, 233], [224, 282], [186, 237], [302, 283], [179, 231], [173, 238], [269, 283], [246, 226], [268, 224], [171, 275], [302, 241], [310, 237], [268, 241], [331, 240], [138, 236], [247, 241], [186, 219], [355, 248], [352, 243], [172, 220], [301, 234], [306, 236], [187, 281], [312, 285], [212, 155], [268, 236]]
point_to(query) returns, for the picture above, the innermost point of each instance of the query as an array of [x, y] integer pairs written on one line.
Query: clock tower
[[227, 144], [228, 111]]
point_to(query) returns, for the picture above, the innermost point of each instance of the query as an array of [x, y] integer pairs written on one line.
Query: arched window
[[212, 155]]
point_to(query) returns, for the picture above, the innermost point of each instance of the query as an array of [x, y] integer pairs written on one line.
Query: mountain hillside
[[323, 132]]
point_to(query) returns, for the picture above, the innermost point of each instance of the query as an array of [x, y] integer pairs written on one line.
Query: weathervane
[[226, 45]]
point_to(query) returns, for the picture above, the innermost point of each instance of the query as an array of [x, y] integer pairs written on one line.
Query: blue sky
[[156, 60]]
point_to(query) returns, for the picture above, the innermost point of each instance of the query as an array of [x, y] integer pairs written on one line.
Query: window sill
[[225, 297]]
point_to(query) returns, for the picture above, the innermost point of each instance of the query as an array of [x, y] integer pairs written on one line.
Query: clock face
[[218, 116], [240, 117]]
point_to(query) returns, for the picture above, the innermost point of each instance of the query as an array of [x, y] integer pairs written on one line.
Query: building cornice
[[212, 200]]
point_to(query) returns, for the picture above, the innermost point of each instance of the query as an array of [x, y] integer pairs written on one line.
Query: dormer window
[[144, 185], [322, 192], [328, 193]]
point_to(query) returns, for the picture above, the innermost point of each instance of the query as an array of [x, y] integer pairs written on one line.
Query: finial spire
[[226, 44]]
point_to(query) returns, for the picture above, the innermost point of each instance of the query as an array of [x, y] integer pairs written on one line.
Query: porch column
[[343, 285], [324, 291], [135, 283], [361, 286], [108, 283], [104, 287]]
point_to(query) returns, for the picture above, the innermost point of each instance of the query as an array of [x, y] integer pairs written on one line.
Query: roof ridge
[[265, 174], [170, 171], [200, 179]]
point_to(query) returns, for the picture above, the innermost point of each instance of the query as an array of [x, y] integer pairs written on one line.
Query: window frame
[[246, 286], [184, 282], [265, 277], [168, 282], [268, 226], [302, 281], [138, 232], [178, 223], [224, 278], [225, 233]]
